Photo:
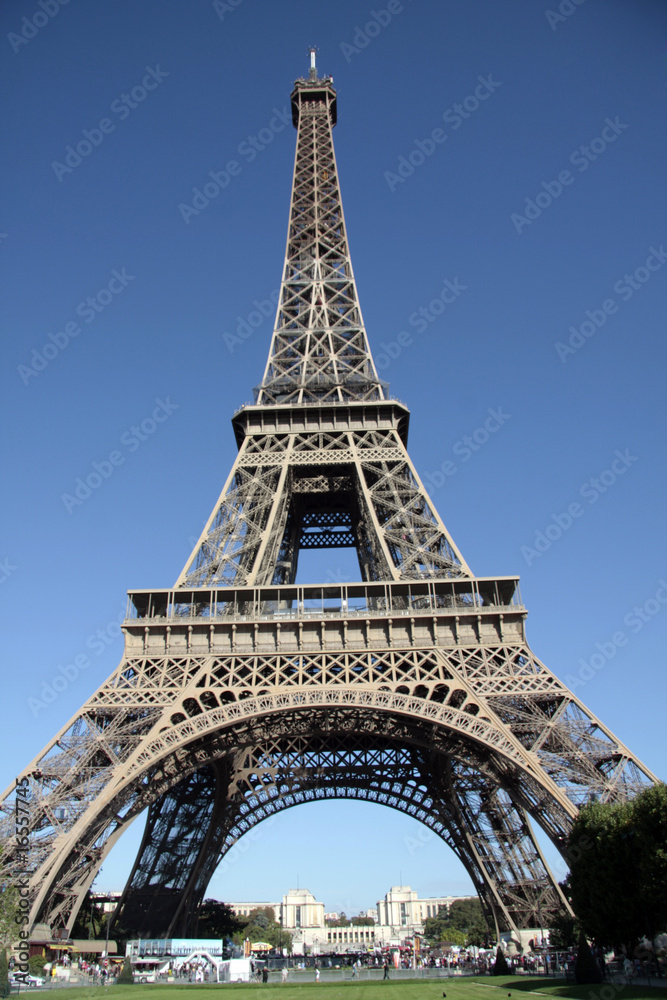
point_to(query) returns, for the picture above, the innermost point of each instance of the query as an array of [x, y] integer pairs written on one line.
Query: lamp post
[[106, 946]]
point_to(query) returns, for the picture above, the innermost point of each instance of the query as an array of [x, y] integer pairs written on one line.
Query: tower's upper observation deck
[[313, 90]]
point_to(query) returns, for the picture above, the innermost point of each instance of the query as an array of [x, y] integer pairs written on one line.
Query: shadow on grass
[[559, 988]]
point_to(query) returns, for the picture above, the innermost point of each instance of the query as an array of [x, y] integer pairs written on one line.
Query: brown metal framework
[[241, 694]]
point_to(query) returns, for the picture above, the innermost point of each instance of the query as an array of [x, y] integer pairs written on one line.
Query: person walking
[[317, 973], [386, 970]]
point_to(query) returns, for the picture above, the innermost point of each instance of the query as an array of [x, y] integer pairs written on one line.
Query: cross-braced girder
[[432, 705], [257, 529], [289, 770], [443, 664]]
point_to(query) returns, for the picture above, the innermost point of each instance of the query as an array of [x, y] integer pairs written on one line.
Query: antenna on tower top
[[313, 68]]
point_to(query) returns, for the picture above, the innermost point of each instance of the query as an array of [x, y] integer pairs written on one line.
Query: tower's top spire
[[319, 352]]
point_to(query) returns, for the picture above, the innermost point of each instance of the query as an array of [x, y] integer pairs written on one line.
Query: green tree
[[452, 936], [125, 976], [36, 965], [262, 918], [434, 926], [478, 934], [4, 979], [464, 923], [90, 922], [500, 966], [618, 869], [9, 908], [564, 930], [261, 925], [586, 969], [217, 920], [464, 913]]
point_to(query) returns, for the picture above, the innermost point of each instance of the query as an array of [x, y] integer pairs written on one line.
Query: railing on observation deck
[[460, 596]]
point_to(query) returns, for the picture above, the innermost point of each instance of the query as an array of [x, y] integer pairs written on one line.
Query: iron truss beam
[[471, 814]]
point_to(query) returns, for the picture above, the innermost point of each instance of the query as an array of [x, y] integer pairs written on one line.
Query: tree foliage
[[217, 920], [452, 936], [464, 913], [36, 965], [90, 922], [9, 908], [564, 930], [125, 976], [500, 966], [618, 869], [361, 920], [4, 980], [261, 925], [9, 901], [586, 969], [463, 924]]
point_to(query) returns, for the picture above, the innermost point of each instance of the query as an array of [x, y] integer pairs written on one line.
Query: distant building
[[400, 915], [300, 910], [403, 910], [245, 909], [107, 901]]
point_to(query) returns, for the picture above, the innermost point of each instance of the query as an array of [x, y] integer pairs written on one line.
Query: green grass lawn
[[487, 988]]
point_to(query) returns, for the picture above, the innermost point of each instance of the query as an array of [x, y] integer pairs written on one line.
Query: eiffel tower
[[241, 693]]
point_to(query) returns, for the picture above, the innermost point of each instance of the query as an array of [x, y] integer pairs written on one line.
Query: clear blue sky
[[220, 77]]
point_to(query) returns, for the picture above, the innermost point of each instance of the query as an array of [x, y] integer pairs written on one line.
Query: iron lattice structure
[[241, 693]]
